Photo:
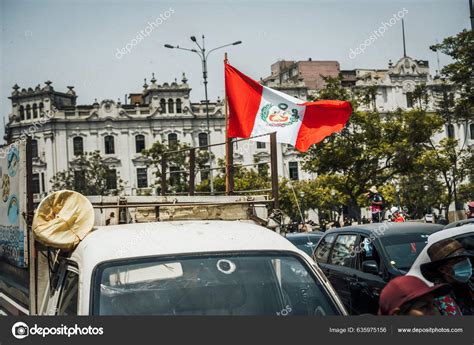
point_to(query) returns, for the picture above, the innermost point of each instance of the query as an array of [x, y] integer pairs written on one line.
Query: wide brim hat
[[373, 189], [404, 289], [441, 252]]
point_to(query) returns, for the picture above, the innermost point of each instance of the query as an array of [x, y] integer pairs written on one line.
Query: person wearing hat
[[470, 210], [396, 215], [377, 203], [451, 263], [409, 295]]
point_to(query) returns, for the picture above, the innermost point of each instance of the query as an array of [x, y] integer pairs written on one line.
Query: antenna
[[403, 33]]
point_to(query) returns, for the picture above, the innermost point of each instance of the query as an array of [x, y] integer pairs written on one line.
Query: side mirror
[[370, 266]]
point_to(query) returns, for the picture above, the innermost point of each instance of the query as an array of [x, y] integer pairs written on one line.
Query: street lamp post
[[426, 188], [203, 55], [302, 208], [397, 188]]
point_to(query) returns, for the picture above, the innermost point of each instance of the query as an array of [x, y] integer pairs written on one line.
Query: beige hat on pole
[[63, 219]]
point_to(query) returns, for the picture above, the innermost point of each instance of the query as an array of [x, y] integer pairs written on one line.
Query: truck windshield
[[211, 285]]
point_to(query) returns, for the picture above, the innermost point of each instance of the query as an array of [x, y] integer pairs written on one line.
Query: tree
[[460, 72], [177, 165], [245, 179], [448, 161], [89, 176]]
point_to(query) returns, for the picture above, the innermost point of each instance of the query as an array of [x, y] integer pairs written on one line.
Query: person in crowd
[[451, 263], [470, 210], [396, 215], [377, 204], [408, 295]]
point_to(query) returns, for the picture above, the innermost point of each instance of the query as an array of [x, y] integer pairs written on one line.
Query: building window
[[170, 106], [205, 173], [35, 181], [293, 169], [34, 148], [35, 111], [109, 145], [172, 139], [450, 131], [28, 112], [260, 145], [78, 146], [409, 99], [41, 109], [111, 179], [142, 178], [471, 129], [163, 105], [179, 106], [175, 176], [139, 143], [202, 139], [22, 113], [79, 181]]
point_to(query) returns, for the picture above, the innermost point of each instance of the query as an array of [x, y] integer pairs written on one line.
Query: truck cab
[[195, 267]]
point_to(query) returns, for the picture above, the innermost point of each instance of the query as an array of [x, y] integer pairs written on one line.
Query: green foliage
[[87, 176], [460, 72], [177, 165]]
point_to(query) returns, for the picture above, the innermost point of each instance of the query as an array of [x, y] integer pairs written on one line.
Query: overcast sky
[[75, 42]]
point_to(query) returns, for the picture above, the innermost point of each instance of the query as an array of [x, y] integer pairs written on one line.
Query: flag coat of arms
[[255, 109]]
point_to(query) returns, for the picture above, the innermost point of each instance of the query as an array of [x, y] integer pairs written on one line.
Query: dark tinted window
[[139, 143], [35, 183], [111, 179], [142, 178], [34, 148], [344, 250], [367, 252], [324, 248], [109, 144], [78, 146]]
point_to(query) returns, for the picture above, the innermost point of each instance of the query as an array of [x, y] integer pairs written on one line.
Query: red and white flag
[[255, 109]]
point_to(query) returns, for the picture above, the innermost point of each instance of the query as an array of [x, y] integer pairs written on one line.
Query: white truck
[[178, 267]]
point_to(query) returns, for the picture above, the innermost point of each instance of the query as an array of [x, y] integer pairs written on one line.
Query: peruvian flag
[[255, 109]]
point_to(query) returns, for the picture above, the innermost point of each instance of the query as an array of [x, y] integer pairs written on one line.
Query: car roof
[[298, 235], [388, 228], [177, 237], [460, 223]]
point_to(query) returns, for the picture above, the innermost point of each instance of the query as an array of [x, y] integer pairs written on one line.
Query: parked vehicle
[[179, 267], [360, 260], [306, 241], [429, 217], [463, 234]]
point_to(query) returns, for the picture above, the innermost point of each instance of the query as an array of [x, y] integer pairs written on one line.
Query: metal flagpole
[[229, 148]]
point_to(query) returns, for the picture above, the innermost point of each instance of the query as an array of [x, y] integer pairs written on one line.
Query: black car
[[306, 241], [360, 260]]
